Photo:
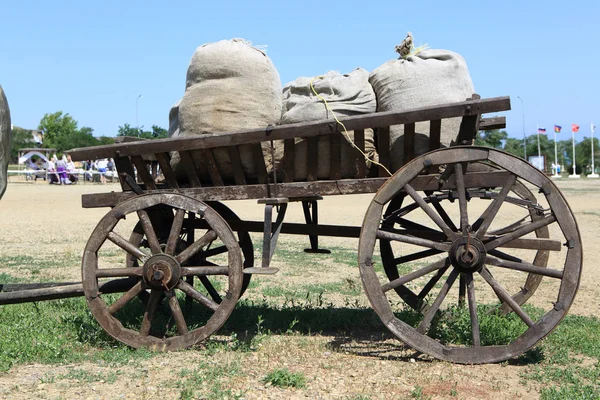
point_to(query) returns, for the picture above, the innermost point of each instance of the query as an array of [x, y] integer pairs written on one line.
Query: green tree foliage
[[583, 151], [21, 139], [61, 132], [493, 138], [156, 133], [514, 147]]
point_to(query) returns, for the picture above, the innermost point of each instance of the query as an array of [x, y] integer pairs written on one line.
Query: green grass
[[284, 378]]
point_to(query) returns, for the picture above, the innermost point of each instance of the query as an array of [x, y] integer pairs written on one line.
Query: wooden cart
[[185, 238]]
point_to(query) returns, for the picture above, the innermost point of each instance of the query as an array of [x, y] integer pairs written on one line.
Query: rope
[[346, 134]]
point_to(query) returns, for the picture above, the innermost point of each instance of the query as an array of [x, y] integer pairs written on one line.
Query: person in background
[[102, 168], [51, 171], [61, 170], [71, 170]]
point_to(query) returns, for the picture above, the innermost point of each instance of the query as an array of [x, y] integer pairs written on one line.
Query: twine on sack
[[407, 48], [346, 134]]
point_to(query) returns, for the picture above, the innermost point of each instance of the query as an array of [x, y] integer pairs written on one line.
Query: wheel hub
[[467, 254], [161, 271]]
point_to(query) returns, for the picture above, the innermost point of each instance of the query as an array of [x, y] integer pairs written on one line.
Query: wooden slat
[[409, 142], [236, 164], [469, 127], [435, 131], [335, 155], [211, 166], [304, 189], [471, 107], [289, 157], [312, 158], [488, 124], [123, 165], [259, 163], [190, 168], [359, 141], [143, 172], [165, 165], [383, 147]]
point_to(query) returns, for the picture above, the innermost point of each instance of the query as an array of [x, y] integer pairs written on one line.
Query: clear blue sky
[[92, 59]]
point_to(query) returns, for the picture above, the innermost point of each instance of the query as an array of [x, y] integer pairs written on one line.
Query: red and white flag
[[575, 128]]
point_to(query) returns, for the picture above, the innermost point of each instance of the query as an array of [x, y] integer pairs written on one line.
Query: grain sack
[[347, 95], [5, 138], [174, 120], [429, 78], [230, 86]]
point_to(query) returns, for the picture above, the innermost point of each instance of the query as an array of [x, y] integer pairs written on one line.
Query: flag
[[541, 130], [593, 127], [575, 128], [557, 128]]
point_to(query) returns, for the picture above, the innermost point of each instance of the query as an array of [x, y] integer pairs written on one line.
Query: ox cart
[[192, 257]]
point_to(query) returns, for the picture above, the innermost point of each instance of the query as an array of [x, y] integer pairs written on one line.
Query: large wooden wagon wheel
[[163, 271], [206, 256], [467, 253], [398, 217]]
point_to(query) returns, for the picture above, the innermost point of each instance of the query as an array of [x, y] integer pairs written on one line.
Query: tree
[[21, 139], [56, 126], [514, 147], [156, 133], [493, 138], [583, 154]]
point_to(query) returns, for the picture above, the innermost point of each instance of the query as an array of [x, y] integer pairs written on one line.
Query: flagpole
[[538, 137], [556, 174], [574, 175], [593, 174]]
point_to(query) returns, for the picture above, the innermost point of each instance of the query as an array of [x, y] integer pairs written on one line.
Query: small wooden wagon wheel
[[472, 250], [398, 217], [205, 256], [163, 271]]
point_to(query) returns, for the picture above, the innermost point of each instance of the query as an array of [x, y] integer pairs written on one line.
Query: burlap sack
[[230, 86], [5, 138], [174, 120], [347, 95], [430, 78]]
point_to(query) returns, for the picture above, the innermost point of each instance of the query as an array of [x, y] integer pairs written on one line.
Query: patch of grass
[[208, 381], [59, 331], [285, 378], [83, 376]]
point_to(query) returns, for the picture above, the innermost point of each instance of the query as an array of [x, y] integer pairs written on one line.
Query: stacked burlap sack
[[5, 137], [230, 86], [421, 79], [347, 95]]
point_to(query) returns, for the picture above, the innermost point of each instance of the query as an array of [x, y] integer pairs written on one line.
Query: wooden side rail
[[303, 130]]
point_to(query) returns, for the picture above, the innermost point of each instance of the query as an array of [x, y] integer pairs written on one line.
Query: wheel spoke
[[445, 217], [483, 223], [149, 231], [473, 310], [196, 295], [534, 244], [434, 279], [214, 252], [126, 298], [431, 213], [211, 289], [381, 234], [196, 246], [413, 275], [125, 245], [118, 272], [462, 199], [175, 231], [424, 325], [416, 256], [177, 313], [204, 270], [520, 232], [462, 289], [504, 296], [155, 296], [524, 266]]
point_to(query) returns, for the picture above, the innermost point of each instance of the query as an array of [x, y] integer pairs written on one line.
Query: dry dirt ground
[[48, 222]]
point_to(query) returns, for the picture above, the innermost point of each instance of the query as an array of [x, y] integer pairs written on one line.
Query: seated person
[[61, 169], [71, 170], [51, 171]]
